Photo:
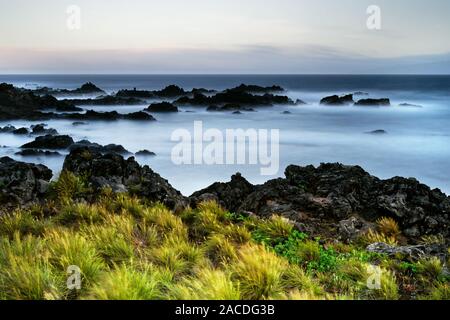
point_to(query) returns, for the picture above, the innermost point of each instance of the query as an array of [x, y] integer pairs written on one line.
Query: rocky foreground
[[314, 234]]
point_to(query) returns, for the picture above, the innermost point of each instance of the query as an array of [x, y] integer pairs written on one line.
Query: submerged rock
[[377, 132], [373, 102], [22, 182], [121, 174]]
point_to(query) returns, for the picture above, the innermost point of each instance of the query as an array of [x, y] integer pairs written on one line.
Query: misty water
[[417, 143]]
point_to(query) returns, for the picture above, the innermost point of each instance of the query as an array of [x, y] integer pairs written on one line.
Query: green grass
[[127, 248]]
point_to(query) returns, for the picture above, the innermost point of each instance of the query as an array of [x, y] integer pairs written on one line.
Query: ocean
[[417, 143]]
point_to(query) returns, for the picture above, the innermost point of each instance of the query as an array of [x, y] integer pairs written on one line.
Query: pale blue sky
[[225, 36]]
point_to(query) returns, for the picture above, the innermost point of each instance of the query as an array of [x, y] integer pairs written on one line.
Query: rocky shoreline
[[332, 200]]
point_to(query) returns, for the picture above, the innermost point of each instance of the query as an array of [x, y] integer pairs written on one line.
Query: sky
[[224, 36]]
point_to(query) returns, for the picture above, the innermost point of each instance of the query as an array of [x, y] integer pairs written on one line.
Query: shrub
[[220, 250], [259, 272], [68, 248], [69, 186], [127, 283], [207, 284], [389, 227], [25, 273], [22, 222]]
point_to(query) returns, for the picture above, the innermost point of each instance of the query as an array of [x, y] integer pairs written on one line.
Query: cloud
[[254, 59]]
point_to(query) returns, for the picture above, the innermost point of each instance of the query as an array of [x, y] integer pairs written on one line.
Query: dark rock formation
[[104, 101], [337, 101], [162, 107], [37, 152], [140, 115], [171, 91], [95, 147], [230, 194], [235, 97], [412, 253], [50, 142], [378, 132], [229, 107], [410, 105], [140, 94], [373, 102], [108, 116], [20, 131], [332, 193], [18, 103], [145, 153], [21, 182], [7, 129], [114, 171], [257, 89], [39, 129], [78, 123]]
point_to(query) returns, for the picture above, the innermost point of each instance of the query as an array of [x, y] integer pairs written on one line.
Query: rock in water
[[162, 107], [50, 142], [113, 171], [373, 102], [21, 182], [337, 101]]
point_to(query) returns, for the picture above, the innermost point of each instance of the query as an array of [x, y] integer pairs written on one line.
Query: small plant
[[69, 186], [207, 284], [127, 283], [220, 250], [22, 222], [259, 272], [432, 267], [389, 227]]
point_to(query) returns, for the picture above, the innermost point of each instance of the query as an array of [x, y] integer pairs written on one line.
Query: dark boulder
[[50, 142], [373, 102], [21, 183], [108, 116], [337, 101], [162, 107], [257, 89], [230, 194], [140, 94], [112, 170]]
